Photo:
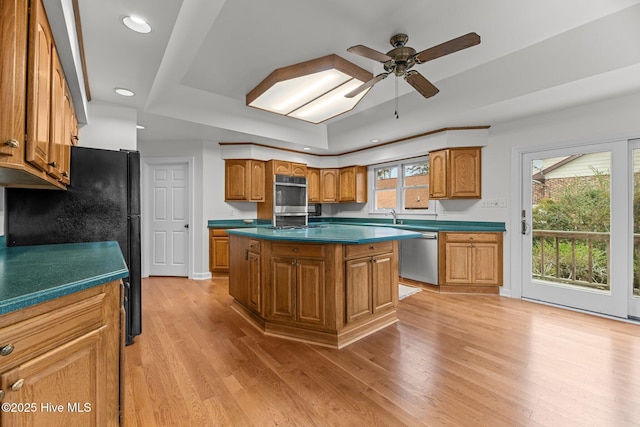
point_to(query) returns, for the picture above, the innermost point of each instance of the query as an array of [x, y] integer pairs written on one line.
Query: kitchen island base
[[330, 294], [336, 340]]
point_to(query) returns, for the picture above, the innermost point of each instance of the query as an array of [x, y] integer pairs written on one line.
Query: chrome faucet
[[395, 219]]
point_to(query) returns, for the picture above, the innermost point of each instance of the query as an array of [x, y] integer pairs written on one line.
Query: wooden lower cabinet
[[64, 368], [245, 282], [327, 294], [371, 281], [297, 291], [218, 251], [471, 260]]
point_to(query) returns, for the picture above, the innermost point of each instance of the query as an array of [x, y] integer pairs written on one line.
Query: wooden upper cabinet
[[298, 169], [313, 185], [40, 78], [329, 185], [280, 167], [353, 184], [32, 112], [283, 167], [244, 180], [257, 184], [70, 137], [438, 169], [57, 123], [13, 79], [455, 173]]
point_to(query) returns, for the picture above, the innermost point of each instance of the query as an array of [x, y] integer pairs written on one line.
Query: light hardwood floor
[[451, 360]]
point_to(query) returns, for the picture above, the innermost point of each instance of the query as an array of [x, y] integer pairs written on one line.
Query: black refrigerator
[[102, 203]]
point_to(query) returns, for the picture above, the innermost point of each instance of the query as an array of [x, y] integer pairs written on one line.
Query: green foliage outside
[[581, 206]]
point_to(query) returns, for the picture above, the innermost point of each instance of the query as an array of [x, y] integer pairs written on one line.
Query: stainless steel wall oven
[[289, 201]]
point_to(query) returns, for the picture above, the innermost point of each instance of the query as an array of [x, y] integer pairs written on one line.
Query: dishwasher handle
[[429, 236]]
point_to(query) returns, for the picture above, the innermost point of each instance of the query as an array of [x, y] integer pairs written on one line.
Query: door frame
[[518, 263], [146, 183]]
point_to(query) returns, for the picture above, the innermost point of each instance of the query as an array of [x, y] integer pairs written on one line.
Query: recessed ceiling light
[[137, 24], [140, 127], [375, 140], [124, 92], [307, 148]]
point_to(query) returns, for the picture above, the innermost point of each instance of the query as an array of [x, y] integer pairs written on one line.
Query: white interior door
[[574, 261], [168, 219]]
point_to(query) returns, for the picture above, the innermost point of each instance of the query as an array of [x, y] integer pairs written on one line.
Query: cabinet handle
[[53, 164], [295, 249], [372, 247], [6, 350], [13, 143], [17, 385], [65, 174]]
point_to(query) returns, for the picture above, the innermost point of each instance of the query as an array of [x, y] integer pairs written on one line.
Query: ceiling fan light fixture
[[312, 91]]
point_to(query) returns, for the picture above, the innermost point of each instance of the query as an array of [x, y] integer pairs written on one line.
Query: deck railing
[[572, 257]]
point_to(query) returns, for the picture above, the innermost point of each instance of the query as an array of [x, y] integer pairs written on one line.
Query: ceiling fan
[[401, 59]]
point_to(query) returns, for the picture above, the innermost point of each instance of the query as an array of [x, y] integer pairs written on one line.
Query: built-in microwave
[[314, 209]]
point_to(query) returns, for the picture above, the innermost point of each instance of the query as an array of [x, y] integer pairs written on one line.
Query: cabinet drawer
[[255, 246], [218, 232], [368, 249], [472, 237], [296, 250], [34, 336]]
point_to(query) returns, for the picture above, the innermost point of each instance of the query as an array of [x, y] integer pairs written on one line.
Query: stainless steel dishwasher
[[419, 258]]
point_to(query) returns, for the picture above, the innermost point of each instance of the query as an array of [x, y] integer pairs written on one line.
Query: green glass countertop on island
[[31, 275], [328, 233]]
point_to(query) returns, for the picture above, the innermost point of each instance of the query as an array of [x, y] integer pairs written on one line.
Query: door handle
[[524, 226]]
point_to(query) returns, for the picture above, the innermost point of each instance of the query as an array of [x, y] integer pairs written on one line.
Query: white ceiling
[[192, 72]]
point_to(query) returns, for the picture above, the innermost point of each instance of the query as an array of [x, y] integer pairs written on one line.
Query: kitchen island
[[329, 285]]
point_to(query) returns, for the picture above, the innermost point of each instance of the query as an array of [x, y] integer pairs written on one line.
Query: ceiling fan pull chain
[[396, 112]]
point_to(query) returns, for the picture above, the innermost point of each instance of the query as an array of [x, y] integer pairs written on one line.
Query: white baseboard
[[201, 276]]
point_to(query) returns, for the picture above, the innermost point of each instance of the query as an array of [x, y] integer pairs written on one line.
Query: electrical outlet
[[490, 203], [232, 212]]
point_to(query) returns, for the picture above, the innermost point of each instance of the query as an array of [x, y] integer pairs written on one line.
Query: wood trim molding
[[76, 15], [324, 63], [394, 141]]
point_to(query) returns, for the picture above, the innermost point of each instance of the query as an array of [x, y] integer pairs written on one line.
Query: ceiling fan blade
[[366, 85], [367, 52], [421, 84], [446, 48]]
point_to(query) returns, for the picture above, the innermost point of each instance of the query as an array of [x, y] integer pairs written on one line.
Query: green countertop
[[404, 224], [33, 274], [328, 233]]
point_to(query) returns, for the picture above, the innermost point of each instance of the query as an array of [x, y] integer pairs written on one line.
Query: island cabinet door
[[282, 289], [254, 281], [311, 291], [383, 283], [358, 289]]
